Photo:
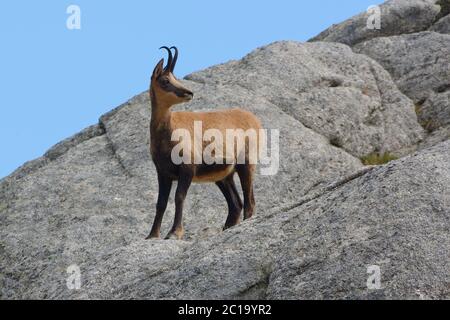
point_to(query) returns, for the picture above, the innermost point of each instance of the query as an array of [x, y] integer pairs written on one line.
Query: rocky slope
[[321, 221], [413, 45]]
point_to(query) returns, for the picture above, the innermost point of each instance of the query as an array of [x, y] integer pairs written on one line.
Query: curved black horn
[[169, 62], [175, 58]]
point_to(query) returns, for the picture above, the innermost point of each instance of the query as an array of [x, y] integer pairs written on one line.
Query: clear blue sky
[[55, 81]]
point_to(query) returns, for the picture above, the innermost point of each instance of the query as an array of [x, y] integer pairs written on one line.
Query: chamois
[[165, 92]]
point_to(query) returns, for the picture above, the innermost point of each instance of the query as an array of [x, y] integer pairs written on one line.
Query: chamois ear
[[158, 69]]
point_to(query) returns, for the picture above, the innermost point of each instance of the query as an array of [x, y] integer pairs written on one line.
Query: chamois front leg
[[165, 185], [184, 182]]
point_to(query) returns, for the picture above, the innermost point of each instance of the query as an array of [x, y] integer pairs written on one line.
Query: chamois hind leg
[[164, 185], [235, 191], [246, 174], [234, 202], [184, 182]]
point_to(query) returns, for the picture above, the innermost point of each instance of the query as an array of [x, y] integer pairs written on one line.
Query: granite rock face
[[413, 45], [321, 221], [420, 65], [442, 26], [394, 217], [343, 96], [397, 17]]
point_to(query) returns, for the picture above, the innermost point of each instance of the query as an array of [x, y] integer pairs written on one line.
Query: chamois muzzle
[[188, 95]]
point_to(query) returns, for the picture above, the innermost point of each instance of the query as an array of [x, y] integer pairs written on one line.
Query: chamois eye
[[164, 82]]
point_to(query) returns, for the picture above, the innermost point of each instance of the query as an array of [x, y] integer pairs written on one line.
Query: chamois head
[[165, 87]]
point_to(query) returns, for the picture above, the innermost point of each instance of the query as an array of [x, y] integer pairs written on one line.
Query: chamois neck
[[160, 114]]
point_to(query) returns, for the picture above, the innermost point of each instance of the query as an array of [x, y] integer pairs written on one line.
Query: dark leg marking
[[165, 185], [234, 202], [246, 174], [184, 182]]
